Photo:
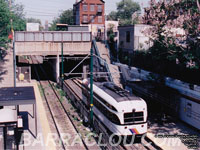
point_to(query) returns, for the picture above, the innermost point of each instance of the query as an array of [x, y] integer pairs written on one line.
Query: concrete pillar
[[84, 72], [56, 68]]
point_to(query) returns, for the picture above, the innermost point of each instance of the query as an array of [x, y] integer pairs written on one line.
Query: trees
[[18, 17], [166, 17], [4, 25], [33, 20], [65, 18], [6, 14], [112, 16], [125, 10]]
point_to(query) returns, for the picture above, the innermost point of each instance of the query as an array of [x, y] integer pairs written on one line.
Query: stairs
[[104, 52], [114, 70]]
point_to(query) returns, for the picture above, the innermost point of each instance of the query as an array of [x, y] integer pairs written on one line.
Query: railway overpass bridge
[[51, 43]]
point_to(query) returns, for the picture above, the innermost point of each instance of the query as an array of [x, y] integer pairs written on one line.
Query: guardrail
[[52, 36]]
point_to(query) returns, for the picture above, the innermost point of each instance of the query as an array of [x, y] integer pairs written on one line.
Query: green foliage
[[41, 89], [10, 17], [110, 33], [19, 21], [182, 50], [65, 18], [4, 23], [125, 10], [112, 16], [33, 20]]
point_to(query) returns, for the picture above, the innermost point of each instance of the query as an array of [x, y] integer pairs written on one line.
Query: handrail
[[102, 62], [108, 48], [97, 52]]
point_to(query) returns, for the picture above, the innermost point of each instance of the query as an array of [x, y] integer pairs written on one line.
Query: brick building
[[91, 13]]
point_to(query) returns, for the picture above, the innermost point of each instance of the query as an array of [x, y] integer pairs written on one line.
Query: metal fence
[[21, 36]]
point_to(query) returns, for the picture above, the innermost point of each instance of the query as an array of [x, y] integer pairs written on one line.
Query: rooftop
[[12, 96]]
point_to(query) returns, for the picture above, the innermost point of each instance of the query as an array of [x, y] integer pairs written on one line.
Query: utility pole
[[14, 56], [62, 72], [91, 87], [11, 20], [13, 44]]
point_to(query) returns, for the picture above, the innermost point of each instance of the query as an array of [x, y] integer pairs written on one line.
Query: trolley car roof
[[17, 96], [116, 92]]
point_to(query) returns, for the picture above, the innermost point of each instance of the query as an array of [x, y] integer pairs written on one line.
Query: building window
[[128, 36], [92, 19], [85, 7], [99, 9], [92, 7], [99, 19], [85, 18]]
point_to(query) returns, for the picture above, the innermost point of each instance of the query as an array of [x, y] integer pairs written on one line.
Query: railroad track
[[59, 116], [146, 144], [75, 87]]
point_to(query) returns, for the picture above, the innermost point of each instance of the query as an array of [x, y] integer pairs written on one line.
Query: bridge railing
[[52, 36]]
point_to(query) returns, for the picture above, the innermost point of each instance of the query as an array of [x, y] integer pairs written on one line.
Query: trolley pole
[[62, 72], [91, 87]]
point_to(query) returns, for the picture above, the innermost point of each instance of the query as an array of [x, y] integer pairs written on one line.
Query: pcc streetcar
[[115, 110]]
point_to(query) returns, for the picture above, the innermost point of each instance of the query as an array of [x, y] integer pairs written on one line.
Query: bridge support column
[[56, 68]]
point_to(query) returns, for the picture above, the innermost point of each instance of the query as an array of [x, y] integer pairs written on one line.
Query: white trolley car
[[116, 112]]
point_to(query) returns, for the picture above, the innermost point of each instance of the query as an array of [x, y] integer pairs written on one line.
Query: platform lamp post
[[91, 87]]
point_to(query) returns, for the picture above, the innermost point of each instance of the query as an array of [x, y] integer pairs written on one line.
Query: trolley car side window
[[107, 104], [189, 109], [111, 116]]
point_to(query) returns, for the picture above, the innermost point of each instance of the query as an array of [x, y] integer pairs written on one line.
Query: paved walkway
[[6, 70], [160, 134]]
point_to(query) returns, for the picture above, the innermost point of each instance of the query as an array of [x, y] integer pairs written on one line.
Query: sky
[[50, 9]]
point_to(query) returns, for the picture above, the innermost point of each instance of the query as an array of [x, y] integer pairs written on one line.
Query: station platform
[[44, 138], [174, 135]]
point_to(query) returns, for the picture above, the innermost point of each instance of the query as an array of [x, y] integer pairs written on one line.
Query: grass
[[41, 89], [61, 93]]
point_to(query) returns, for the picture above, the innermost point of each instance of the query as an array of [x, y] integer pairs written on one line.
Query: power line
[[41, 12], [52, 1], [43, 6], [42, 15]]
